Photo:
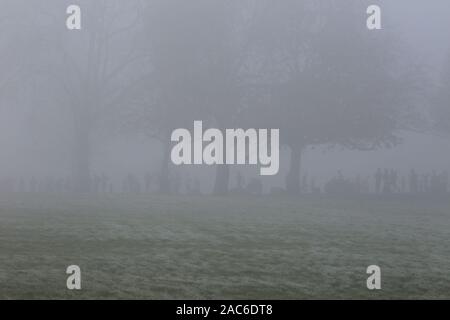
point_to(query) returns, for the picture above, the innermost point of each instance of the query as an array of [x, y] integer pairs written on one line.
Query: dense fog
[[93, 109]]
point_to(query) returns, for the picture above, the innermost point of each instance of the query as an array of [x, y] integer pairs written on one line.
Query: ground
[[156, 247]]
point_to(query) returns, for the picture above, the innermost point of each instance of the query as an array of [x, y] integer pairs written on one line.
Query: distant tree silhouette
[[197, 71], [330, 81], [89, 71]]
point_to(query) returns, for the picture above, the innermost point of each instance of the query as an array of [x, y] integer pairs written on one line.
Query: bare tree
[[92, 70], [198, 64]]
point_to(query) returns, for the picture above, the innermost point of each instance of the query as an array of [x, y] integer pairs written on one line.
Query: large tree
[[330, 80], [199, 51], [90, 70]]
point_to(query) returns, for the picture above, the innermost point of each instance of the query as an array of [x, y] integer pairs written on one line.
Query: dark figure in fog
[[386, 182], [424, 183], [420, 182], [434, 183], [393, 180], [413, 181], [378, 179]]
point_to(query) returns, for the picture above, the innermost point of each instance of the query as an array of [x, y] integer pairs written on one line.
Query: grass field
[[156, 247]]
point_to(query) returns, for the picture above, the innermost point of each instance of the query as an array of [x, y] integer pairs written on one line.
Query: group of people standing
[[383, 181], [389, 181]]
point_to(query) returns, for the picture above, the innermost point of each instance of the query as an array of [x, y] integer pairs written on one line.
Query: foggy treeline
[[93, 109]]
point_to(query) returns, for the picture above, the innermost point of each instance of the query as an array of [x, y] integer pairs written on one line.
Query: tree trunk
[[222, 180], [293, 177]]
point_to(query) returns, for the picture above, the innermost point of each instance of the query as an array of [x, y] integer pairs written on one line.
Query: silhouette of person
[[393, 177], [425, 183], [386, 182], [378, 178], [413, 181]]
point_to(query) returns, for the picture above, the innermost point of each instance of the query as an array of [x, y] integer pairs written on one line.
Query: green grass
[[156, 247]]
